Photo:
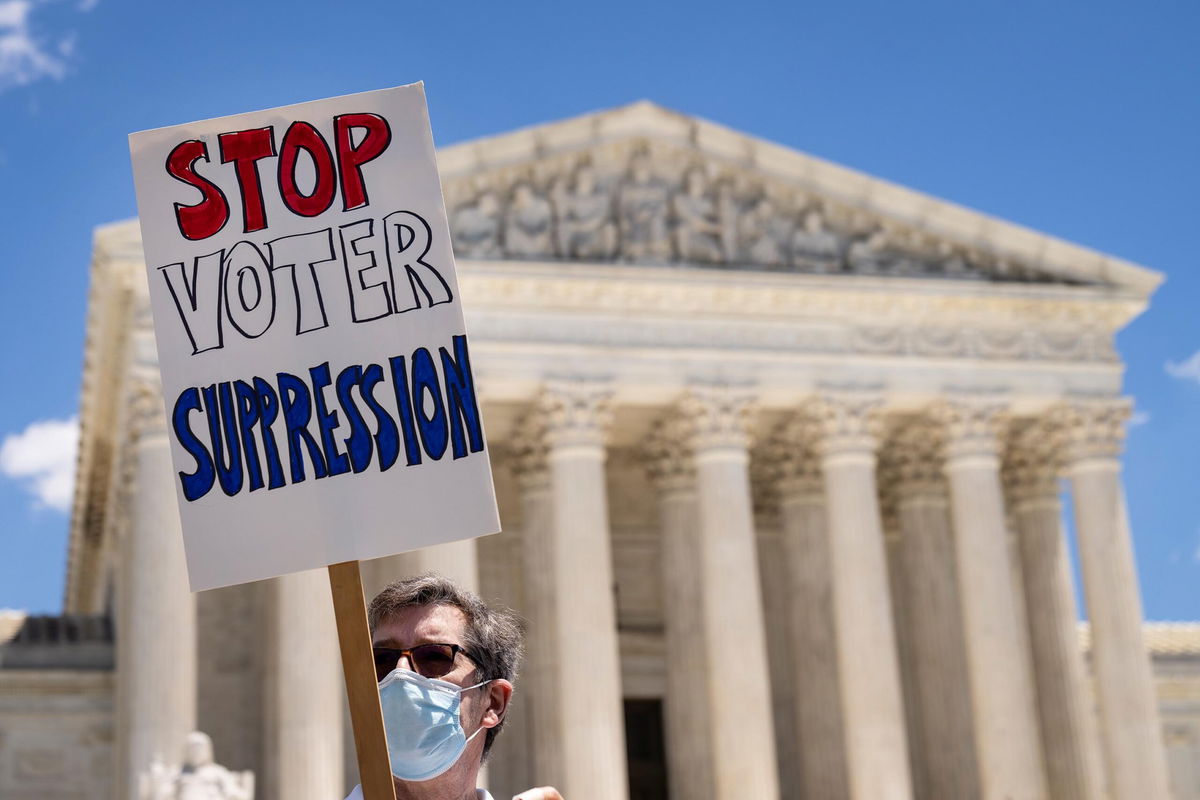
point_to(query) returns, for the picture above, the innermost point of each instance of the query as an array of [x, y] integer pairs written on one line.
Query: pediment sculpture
[[649, 209]]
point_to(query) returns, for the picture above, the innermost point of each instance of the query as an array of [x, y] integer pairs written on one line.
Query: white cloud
[[26, 57], [1188, 370], [42, 457], [1139, 418]]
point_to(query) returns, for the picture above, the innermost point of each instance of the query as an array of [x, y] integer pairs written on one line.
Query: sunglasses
[[430, 660]]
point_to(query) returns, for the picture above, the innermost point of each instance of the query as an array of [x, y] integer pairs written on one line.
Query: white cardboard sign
[[319, 395]]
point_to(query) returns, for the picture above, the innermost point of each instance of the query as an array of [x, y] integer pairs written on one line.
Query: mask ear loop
[[467, 689]]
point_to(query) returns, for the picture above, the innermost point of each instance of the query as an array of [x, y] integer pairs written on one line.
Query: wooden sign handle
[[358, 665]]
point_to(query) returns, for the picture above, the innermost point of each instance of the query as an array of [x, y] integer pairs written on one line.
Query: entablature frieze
[[552, 287]]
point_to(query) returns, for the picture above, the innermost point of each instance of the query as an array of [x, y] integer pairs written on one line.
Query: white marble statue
[[477, 227], [764, 234], [867, 256], [699, 226], [815, 248], [643, 213], [528, 225], [199, 778], [586, 228]]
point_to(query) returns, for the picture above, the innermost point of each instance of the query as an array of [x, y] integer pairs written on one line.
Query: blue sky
[[1079, 120]]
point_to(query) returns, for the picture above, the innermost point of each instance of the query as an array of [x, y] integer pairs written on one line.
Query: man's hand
[[541, 793]]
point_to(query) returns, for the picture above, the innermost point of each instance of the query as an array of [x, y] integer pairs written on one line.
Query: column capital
[[846, 422], [1032, 462], [786, 466], [1092, 428], [668, 456], [915, 454], [145, 415], [718, 417], [971, 425], [574, 412]]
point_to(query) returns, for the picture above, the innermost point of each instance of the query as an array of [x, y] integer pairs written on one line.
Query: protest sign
[[315, 367], [320, 401]]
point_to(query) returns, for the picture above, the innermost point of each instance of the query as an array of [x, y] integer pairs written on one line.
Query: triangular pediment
[[642, 184]]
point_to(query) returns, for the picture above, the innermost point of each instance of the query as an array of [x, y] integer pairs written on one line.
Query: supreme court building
[[779, 451]]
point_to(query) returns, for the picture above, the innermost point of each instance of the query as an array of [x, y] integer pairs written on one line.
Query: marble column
[[1132, 734], [457, 561], [590, 722], [928, 578], [689, 751], [1007, 738], [303, 682], [735, 644], [156, 624], [872, 704], [818, 712], [1069, 736], [539, 684]]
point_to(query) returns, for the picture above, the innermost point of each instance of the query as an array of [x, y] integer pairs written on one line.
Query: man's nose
[[405, 662]]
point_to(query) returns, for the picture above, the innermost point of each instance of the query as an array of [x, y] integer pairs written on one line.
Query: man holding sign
[[317, 381], [445, 662]]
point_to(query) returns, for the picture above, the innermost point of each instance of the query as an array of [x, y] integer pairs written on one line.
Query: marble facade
[[777, 447]]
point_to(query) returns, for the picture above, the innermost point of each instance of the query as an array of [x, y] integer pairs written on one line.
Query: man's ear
[[499, 693]]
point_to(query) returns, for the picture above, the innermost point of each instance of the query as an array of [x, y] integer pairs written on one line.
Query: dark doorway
[[646, 749]]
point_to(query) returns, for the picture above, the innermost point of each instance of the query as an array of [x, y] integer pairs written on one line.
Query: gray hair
[[494, 635]]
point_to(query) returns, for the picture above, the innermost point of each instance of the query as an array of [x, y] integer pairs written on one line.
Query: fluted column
[[929, 584], [818, 711], [735, 662], [1007, 738], [872, 705], [689, 749], [1069, 737], [590, 719], [539, 684], [304, 690], [156, 627], [457, 561], [1132, 734]]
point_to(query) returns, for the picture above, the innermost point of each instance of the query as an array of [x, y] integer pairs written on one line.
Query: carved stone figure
[[814, 248], [953, 265], [642, 207], [867, 256], [764, 234], [529, 223], [200, 778], [699, 228], [586, 228], [477, 228]]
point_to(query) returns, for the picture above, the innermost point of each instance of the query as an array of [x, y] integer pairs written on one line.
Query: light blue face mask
[[421, 717]]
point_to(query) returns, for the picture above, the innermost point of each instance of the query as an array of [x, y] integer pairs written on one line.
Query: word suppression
[[431, 408], [383, 262]]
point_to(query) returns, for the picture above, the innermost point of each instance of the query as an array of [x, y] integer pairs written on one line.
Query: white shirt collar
[[480, 794]]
